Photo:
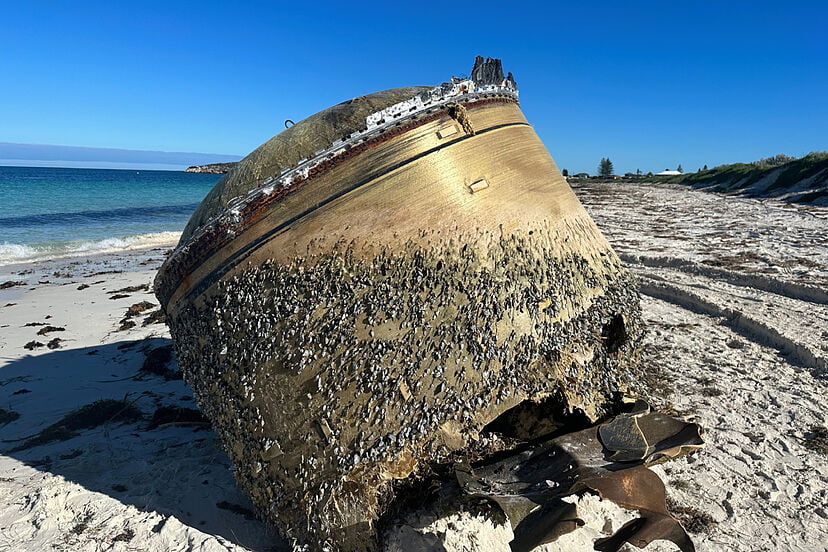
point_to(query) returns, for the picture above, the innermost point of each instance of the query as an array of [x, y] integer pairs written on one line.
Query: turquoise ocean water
[[52, 212]]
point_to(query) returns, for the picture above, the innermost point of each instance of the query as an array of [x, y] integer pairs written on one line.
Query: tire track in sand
[[761, 331]]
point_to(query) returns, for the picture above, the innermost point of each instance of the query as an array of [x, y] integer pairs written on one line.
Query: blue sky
[[648, 84]]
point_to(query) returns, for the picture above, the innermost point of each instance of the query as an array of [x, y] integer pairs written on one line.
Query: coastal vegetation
[[792, 179], [799, 180], [605, 167]]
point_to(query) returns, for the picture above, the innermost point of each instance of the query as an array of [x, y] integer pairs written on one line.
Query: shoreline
[[83, 250], [64, 269]]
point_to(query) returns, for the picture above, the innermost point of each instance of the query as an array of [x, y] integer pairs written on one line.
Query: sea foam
[[11, 253], [15, 252]]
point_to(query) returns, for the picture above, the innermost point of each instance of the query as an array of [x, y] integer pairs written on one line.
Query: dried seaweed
[[176, 415], [49, 329], [87, 417], [157, 361], [8, 416]]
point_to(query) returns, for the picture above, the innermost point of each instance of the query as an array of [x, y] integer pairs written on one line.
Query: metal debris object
[[362, 294], [528, 485]]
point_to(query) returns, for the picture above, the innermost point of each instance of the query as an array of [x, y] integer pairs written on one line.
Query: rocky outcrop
[[212, 168]]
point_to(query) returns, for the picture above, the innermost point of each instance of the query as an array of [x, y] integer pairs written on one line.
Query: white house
[[668, 172]]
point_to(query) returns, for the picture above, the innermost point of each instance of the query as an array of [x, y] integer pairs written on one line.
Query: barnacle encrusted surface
[[330, 374]]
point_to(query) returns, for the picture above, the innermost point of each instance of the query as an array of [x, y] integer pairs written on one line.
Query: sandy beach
[[735, 292], [102, 446], [147, 484]]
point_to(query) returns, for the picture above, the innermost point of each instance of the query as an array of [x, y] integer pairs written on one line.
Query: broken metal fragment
[[528, 485], [649, 437], [639, 489]]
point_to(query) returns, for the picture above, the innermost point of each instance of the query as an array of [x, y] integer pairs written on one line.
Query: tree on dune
[[605, 167]]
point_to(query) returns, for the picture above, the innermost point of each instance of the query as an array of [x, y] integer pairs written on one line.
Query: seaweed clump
[[156, 363], [695, 521], [177, 415], [89, 416], [8, 416]]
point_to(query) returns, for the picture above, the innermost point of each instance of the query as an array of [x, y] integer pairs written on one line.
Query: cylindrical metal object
[[371, 317]]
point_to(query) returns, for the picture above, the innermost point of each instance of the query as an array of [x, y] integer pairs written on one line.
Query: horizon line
[[35, 144], [95, 165]]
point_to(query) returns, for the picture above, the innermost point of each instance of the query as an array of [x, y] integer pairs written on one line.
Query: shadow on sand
[[175, 469]]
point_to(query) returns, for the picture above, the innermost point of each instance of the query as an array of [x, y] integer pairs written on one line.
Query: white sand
[[116, 486], [750, 364], [736, 295]]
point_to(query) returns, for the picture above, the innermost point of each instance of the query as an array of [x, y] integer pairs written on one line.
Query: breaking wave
[[11, 253]]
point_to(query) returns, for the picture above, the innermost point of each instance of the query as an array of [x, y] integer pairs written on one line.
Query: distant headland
[[212, 168]]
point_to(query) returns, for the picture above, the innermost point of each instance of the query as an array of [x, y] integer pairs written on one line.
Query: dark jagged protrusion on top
[[489, 71], [511, 79]]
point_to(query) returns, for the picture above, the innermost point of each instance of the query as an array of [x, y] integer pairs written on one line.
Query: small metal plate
[[478, 185], [446, 132]]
